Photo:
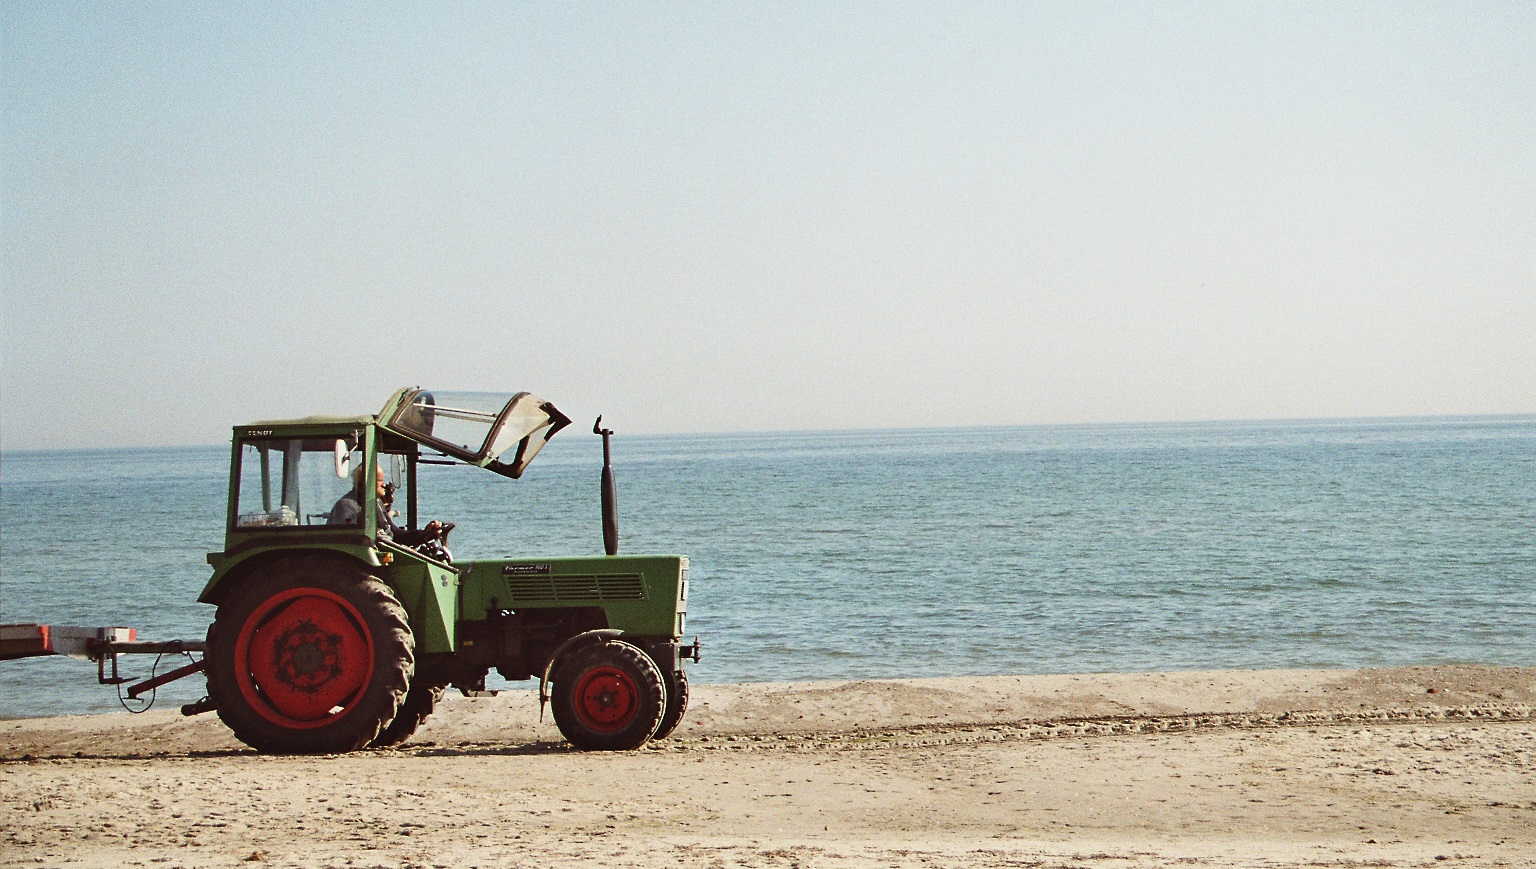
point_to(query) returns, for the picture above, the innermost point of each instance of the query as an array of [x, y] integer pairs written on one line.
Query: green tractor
[[341, 621]]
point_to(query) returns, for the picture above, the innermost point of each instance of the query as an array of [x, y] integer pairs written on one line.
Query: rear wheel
[[312, 655], [677, 703], [419, 704], [608, 697]]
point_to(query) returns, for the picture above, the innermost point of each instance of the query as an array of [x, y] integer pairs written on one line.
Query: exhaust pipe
[[610, 505]]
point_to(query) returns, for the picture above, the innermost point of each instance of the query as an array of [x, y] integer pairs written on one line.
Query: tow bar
[[105, 646]]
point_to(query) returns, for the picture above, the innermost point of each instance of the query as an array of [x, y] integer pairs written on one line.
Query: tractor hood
[[475, 427]]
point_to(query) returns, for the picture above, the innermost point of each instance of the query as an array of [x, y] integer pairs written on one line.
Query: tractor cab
[[292, 474], [313, 475]]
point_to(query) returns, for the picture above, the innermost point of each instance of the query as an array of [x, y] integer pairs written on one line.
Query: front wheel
[[311, 655], [677, 703], [608, 697]]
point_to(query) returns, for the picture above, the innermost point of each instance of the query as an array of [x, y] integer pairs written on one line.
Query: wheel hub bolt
[[307, 658]]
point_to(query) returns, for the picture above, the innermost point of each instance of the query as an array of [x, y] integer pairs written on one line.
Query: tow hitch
[[105, 646]]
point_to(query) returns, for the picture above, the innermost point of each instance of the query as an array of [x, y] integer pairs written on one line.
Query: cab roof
[[316, 421]]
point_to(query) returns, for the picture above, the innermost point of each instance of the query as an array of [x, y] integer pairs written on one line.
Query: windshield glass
[[476, 427], [462, 420]]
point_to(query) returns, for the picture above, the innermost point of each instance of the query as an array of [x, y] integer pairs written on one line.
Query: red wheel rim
[[607, 699], [303, 658]]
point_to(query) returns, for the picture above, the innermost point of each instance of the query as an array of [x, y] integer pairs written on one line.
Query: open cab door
[[475, 427]]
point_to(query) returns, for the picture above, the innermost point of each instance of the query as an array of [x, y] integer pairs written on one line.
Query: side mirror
[[343, 459]]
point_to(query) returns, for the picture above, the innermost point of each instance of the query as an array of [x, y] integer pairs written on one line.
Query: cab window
[[298, 482]]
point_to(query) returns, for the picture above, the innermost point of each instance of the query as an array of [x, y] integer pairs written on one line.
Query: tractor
[[342, 618]]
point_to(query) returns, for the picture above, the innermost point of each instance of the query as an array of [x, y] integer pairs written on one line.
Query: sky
[[698, 217]]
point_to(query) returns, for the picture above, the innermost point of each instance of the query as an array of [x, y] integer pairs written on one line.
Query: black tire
[[608, 696], [309, 655], [419, 703], [677, 703]]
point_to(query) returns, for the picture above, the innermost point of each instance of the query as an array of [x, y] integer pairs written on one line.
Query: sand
[[1400, 767]]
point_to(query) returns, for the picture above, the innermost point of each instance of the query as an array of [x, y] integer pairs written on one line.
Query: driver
[[431, 540], [349, 508]]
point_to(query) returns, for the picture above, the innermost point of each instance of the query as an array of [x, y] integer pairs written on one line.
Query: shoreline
[[1394, 767]]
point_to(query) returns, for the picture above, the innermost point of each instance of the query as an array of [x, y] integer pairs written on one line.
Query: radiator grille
[[581, 587]]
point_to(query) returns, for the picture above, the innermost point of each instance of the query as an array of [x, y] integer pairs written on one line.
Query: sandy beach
[[1430, 766]]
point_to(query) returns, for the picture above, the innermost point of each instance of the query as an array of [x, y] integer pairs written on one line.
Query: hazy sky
[[720, 217]]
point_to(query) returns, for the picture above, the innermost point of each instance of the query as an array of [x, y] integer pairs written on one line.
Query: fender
[[229, 564], [580, 641]]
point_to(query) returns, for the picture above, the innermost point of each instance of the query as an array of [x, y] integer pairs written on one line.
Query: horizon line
[[917, 428]]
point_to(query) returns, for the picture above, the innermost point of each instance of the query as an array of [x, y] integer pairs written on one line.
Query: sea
[[900, 553]]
